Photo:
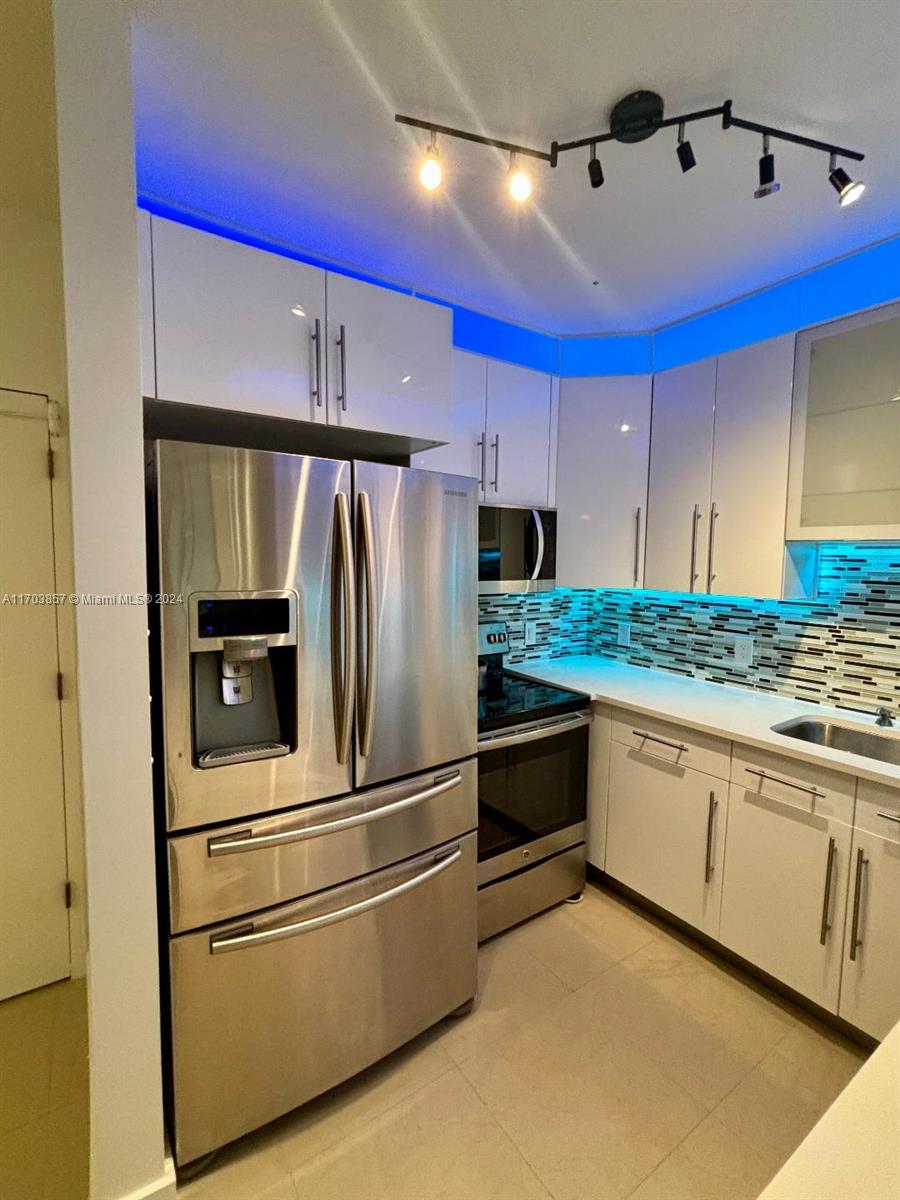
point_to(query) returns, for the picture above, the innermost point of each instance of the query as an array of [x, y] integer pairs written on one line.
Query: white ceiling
[[277, 116]]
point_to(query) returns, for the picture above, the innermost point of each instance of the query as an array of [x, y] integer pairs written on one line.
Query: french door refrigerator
[[316, 740]]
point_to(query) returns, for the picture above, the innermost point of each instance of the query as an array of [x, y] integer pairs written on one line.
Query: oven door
[[516, 549], [532, 793]]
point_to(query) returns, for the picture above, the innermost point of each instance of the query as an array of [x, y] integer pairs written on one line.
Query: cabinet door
[[664, 833], [784, 891], [145, 300], [519, 417], [750, 469], [680, 466], [845, 440], [388, 360], [235, 325], [464, 453], [870, 982], [601, 485]]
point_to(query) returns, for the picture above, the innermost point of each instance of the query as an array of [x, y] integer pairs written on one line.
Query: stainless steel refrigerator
[[316, 722]]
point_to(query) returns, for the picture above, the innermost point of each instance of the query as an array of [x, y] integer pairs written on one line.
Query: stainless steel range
[[532, 790], [315, 743]]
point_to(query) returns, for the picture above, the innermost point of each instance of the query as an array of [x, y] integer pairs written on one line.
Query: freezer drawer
[[269, 1012], [224, 872]]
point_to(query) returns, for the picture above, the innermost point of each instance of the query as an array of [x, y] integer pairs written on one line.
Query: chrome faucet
[[883, 717]]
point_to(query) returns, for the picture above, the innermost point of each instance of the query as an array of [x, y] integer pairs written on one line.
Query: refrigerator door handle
[[245, 936], [366, 673], [343, 634]]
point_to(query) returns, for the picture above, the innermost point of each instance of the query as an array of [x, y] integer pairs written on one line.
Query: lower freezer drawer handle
[[245, 840], [238, 940]]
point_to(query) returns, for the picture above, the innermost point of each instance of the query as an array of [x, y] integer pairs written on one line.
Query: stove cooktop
[[511, 700]]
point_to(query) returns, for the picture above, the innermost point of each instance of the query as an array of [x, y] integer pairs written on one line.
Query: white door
[[680, 468], [784, 891], [34, 925], [145, 297], [601, 481], [388, 360], [236, 326], [870, 982], [464, 453], [664, 831], [519, 419], [750, 470]]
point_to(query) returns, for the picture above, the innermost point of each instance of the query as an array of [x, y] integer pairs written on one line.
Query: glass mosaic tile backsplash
[[842, 649]]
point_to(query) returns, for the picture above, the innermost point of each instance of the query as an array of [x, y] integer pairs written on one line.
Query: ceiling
[[277, 116]]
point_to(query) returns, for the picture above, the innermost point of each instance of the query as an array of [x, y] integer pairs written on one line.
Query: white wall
[[97, 188]]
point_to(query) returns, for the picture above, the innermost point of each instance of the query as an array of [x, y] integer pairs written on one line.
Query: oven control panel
[[492, 637]]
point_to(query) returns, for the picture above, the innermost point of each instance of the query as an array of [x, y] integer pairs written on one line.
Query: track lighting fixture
[[767, 184], [595, 171], [430, 172], [635, 118], [848, 190], [519, 183], [684, 151]]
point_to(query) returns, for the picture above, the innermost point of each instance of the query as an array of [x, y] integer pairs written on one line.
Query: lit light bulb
[[430, 174], [624, 427], [519, 185]]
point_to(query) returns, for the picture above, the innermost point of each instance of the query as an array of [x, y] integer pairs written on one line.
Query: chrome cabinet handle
[[710, 573], [539, 558], [244, 839], [890, 817], [245, 935], [637, 546], [695, 521], [855, 940], [826, 899], [809, 791], [316, 336], [342, 345], [649, 737], [534, 733], [496, 447], [343, 639], [482, 447], [710, 822], [365, 682]]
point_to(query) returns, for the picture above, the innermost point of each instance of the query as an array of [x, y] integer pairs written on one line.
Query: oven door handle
[[533, 733]]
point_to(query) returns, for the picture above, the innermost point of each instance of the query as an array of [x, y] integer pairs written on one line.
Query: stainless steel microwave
[[516, 549]]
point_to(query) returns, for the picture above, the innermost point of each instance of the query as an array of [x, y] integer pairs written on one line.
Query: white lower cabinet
[[664, 834], [870, 980]]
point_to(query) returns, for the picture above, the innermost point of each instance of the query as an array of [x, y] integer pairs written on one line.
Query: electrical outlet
[[623, 633], [530, 633], [743, 651]]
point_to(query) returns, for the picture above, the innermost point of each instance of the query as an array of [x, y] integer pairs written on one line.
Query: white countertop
[[854, 1149], [739, 714]]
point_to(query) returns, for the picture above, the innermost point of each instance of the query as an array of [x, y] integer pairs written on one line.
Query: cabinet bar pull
[[496, 482], [482, 447], [810, 791], [649, 737], [710, 573], [637, 546], [710, 821], [890, 817], [316, 336], [342, 344], [855, 939], [695, 520], [826, 899]]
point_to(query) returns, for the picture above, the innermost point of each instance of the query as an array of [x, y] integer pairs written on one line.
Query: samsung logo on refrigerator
[[455, 492]]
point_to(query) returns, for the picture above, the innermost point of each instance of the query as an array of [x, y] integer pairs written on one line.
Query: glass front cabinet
[[845, 437]]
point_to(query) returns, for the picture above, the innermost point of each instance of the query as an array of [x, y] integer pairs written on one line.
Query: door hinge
[[59, 685], [68, 893], [51, 464]]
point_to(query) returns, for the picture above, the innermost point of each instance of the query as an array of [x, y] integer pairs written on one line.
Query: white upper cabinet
[[680, 470], [519, 434], [236, 326], [464, 453], [745, 552], [845, 445], [388, 360], [601, 485], [145, 301]]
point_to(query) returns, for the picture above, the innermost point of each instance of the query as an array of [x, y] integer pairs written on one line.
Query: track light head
[[767, 184], [430, 173], [848, 190], [595, 171], [684, 151], [519, 183]]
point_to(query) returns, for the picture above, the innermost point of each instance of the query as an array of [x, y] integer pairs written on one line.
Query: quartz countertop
[[739, 714]]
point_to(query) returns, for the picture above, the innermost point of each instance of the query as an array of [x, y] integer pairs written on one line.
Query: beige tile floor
[[606, 1058], [44, 1094]]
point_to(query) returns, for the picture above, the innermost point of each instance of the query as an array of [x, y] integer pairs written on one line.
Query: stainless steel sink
[[838, 735]]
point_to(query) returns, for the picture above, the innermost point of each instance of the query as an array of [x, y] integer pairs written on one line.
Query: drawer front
[[878, 810], [222, 873], [672, 743], [814, 790], [271, 1011]]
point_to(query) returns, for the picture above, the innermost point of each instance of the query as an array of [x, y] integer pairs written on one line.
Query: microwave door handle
[[343, 634], [539, 559]]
